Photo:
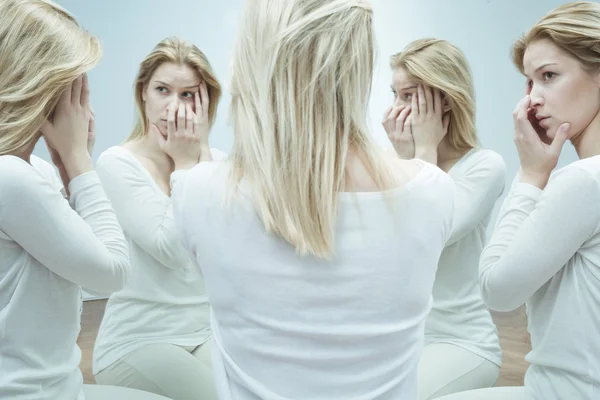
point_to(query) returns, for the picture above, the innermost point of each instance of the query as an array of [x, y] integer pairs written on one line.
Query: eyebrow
[[187, 87], [543, 66], [405, 88]]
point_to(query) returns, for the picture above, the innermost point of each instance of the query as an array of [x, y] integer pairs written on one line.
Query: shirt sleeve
[[81, 242], [537, 233], [145, 215], [476, 193]]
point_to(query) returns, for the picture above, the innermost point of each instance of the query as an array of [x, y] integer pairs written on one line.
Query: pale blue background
[[483, 29]]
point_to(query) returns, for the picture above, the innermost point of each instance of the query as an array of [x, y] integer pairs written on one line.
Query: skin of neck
[[587, 143], [149, 148]]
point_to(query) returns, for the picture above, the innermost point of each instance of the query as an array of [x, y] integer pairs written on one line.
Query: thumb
[[446, 122], [562, 135], [162, 142]]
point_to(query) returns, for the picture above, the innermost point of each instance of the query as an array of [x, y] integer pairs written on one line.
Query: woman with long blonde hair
[[155, 334], [462, 350], [50, 246], [310, 239], [545, 250]]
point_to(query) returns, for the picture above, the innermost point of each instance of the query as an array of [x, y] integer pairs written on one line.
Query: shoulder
[[485, 159], [218, 155], [18, 177], [581, 174], [116, 161]]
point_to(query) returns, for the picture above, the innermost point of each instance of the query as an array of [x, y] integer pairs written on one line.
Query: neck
[[447, 152], [25, 152], [148, 148], [587, 144]]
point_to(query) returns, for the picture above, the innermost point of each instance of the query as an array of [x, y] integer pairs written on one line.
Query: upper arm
[[476, 194], [528, 249], [42, 222], [145, 215]]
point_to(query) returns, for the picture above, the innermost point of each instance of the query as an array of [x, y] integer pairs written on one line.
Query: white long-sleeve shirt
[[291, 327], [165, 300], [49, 249], [545, 251], [459, 315]]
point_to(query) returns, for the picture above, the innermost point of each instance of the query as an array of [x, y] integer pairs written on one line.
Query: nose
[[537, 99], [173, 101]]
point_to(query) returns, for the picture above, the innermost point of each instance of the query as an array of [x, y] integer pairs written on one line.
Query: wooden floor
[[514, 340]]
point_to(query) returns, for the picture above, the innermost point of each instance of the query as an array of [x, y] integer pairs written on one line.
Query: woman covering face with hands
[[545, 250], [155, 334], [433, 118], [50, 246]]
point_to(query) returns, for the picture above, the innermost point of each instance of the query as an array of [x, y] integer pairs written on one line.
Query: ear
[[446, 106], [144, 92]]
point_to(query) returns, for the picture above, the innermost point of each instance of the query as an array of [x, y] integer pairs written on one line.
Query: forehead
[[544, 51], [401, 78], [176, 75]]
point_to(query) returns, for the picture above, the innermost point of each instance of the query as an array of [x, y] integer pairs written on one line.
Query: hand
[[429, 124], [537, 157], [187, 132], [57, 161], [67, 136], [397, 125]]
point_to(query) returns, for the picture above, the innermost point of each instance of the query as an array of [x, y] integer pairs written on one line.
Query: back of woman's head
[[42, 50], [181, 52], [441, 65], [301, 83], [573, 27]]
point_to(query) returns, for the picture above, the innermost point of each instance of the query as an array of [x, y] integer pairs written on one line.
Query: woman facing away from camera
[[50, 246], [545, 250], [310, 239], [462, 350], [155, 334]]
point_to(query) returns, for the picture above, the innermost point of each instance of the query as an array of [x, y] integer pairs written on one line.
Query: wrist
[[537, 179], [205, 154], [77, 163], [427, 153], [184, 163]]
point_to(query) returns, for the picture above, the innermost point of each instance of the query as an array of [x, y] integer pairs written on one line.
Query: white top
[[48, 250], [165, 300], [459, 315], [546, 251], [291, 327]]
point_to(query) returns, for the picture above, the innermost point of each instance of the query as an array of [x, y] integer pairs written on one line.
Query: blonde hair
[[42, 51], [573, 27], [178, 51], [441, 65], [301, 83]]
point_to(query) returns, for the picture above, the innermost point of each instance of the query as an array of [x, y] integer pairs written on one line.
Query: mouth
[[542, 121]]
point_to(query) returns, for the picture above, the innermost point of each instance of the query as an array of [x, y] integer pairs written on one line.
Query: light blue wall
[[483, 29]]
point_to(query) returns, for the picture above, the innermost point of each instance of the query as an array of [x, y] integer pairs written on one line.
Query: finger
[[446, 122], [401, 120], [189, 119], [561, 136], [171, 127], [437, 103], [407, 129], [429, 99], [181, 118], [422, 100], [65, 97], [197, 102], [386, 114], [85, 91], [204, 99], [415, 102], [76, 91], [391, 123]]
